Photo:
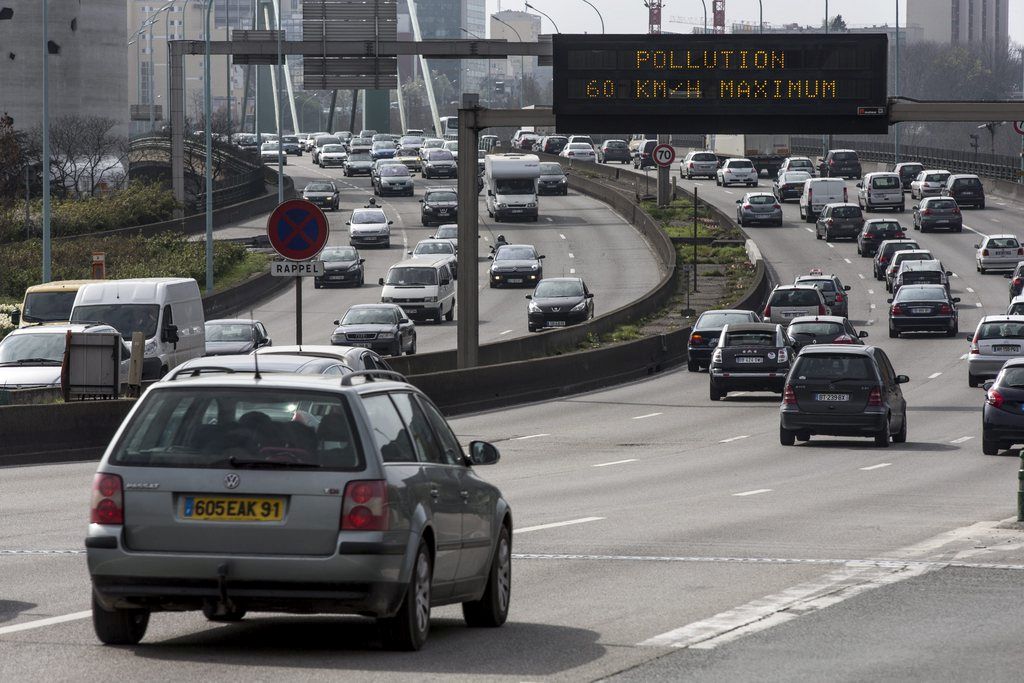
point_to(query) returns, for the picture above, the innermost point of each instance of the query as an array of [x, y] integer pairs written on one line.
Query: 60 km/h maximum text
[[727, 89]]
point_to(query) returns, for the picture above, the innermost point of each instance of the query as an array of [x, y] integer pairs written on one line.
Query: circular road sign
[[298, 230], [664, 155], [1019, 127]]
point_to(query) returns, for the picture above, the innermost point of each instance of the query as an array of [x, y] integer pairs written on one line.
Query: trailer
[[767, 152]]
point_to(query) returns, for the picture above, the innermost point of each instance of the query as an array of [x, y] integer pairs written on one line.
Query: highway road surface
[[659, 536]]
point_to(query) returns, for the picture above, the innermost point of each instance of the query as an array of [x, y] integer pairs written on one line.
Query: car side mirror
[[348, 223], [739, 201], [403, 321], [949, 273], [540, 257], [362, 260], [446, 281], [16, 317], [529, 296], [490, 193], [171, 334], [989, 383], [863, 334], [483, 453], [888, 301], [421, 201], [390, 222], [846, 288], [337, 322], [860, 184], [956, 299], [977, 246], [380, 281], [409, 253], [902, 379], [915, 207]]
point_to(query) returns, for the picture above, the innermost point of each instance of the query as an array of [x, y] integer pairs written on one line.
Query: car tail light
[[926, 212], [1017, 282], [810, 198], [107, 499], [846, 195], [777, 206], [696, 339], [789, 396], [875, 397], [690, 165], [984, 252], [832, 163], [974, 345], [843, 339], [828, 222], [956, 211], [746, 206], [1020, 251], [839, 298], [716, 357], [897, 309], [822, 310], [994, 398], [899, 235], [767, 311], [883, 259], [365, 506], [571, 154], [945, 309]]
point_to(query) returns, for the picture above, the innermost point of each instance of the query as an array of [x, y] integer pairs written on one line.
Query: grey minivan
[[235, 493]]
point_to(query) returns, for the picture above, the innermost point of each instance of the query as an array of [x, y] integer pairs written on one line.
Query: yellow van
[[49, 302]]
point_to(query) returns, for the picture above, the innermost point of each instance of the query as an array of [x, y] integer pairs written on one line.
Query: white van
[[817, 193], [167, 310], [424, 288]]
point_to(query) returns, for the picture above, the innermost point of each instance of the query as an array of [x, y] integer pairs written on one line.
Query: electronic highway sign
[[759, 83]]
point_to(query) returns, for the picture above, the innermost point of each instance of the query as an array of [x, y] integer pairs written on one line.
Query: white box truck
[[511, 184], [767, 152]]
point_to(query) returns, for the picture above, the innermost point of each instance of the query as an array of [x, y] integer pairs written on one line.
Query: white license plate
[[1006, 348], [920, 310], [365, 345], [749, 359], [554, 323], [831, 398], [515, 281], [1001, 252]]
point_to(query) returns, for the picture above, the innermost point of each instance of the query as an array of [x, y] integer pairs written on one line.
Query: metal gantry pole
[[467, 289], [824, 138], [1022, 136], [896, 88], [280, 116], [46, 144], [152, 73], [207, 107]]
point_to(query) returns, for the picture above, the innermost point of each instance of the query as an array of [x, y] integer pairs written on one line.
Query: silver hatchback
[[997, 339], [235, 493]]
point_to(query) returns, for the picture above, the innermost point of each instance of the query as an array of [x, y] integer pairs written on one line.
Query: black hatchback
[[966, 189], [706, 331], [876, 231], [749, 357], [923, 308], [1002, 419], [842, 390]]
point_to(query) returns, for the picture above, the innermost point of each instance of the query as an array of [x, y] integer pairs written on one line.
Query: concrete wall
[[87, 77]]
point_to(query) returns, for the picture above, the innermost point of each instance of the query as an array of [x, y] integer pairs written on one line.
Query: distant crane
[[653, 16], [719, 11], [717, 18]]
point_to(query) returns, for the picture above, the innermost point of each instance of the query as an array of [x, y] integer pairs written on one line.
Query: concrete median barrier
[[32, 436]]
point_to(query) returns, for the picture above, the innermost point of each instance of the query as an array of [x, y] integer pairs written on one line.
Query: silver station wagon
[[232, 493]]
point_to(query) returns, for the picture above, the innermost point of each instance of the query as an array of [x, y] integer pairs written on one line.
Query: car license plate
[[920, 310], [967, 194], [1006, 348], [516, 211], [942, 220], [749, 359], [1000, 252], [554, 323], [231, 509], [831, 398], [515, 280]]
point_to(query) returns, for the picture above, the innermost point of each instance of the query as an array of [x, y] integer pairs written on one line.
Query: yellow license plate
[[232, 509]]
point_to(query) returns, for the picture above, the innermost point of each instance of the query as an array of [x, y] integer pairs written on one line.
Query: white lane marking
[[847, 260], [871, 291], [764, 613], [529, 436], [549, 219], [967, 227], [561, 235], [860, 275], [644, 417], [571, 255], [616, 462], [504, 333], [872, 307], [978, 305], [49, 621], [971, 290], [552, 525], [829, 245], [934, 375], [808, 230], [962, 439], [996, 220], [752, 493], [728, 191], [572, 271], [964, 357], [735, 438], [871, 322], [876, 467]]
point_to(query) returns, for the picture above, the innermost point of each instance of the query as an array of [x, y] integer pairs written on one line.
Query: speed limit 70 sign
[[664, 155], [1019, 127]]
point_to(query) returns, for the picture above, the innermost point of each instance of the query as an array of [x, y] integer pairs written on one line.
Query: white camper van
[[511, 184], [168, 311]]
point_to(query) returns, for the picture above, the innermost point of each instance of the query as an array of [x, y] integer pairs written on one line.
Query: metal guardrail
[[995, 166]]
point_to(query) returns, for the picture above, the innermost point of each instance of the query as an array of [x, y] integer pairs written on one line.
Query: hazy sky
[[630, 16]]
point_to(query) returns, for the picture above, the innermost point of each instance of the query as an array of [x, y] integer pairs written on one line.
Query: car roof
[[835, 204], [232, 321], [999, 237], [314, 350], [518, 245], [727, 310], [850, 349], [777, 287], [799, 158], [62, 328], [874, 173], [963, 175], [248, 363], [759, 194], [422, 261], [432, 240], [562, 279], [1013, 363], [935, 170], [379, 305], [736, 159], [842, 150], [1017, 299], [823, 276], [882, 220], [440, 188], [902, 254], [818, 318], [1002, 319], [277, 381], [752, 327]]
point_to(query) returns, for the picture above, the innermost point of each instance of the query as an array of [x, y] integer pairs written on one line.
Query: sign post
[[298, 231], [663, 155]]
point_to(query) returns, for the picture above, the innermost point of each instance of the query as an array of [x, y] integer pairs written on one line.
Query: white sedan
[[580, 151]]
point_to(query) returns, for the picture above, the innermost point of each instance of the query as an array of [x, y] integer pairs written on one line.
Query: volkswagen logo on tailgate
[[231, 481]]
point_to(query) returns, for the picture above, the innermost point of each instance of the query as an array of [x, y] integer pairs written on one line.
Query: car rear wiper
[[272, 464], [33, 361]]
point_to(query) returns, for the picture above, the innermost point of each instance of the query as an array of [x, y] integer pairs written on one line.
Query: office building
[[446, 19], [967, 22], [86, 65], [515, 26]]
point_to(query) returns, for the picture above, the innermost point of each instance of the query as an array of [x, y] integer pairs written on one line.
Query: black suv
[[840, 163], [706, 331], [966, 189], [843, 390], [876, 231], [749, 357], [440, 205]]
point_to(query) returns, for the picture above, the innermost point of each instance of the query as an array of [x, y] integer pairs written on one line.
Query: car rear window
[[213, 427], [966, 182], [795, 297], [886, 183], [720, 320], [1001, 330], [817, 328], [741, 164], [941, 204], [937, 177], [929, 293], [875, 228], [1002, 243], [704, 156], [847, 212], [823, 285], [616, 144], [761, 199], [750, 338], [911, 170], [834, 367], [845, 156], [1012, 377]]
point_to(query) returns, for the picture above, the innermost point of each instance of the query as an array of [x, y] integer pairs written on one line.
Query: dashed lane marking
[[847, 260], [876, 467], [934, 375], [571, 255], [971, 290], [829, 245], [752, 493], [528, 436], [735, 438], [871, 291], [962, 439], [504, 333], [553, 525], [615, 462], [978, 305], [40, 623], [561, 235], [860, 275], [572, 271], [644, 417], [808, 230]]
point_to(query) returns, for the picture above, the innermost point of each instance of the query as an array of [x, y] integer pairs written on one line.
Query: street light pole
[[896, 87], [46, 144], [760, 16], [705, 4], [824, 138], [598, 14], [541, 12], [522, 59], [1022, 97], [280, 116], [209, 152]]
